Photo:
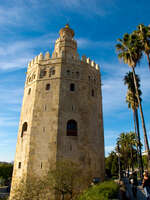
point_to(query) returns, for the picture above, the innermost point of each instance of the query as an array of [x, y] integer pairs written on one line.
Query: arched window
[[72, 87], [24, 128], [72, 129], [47, 87]]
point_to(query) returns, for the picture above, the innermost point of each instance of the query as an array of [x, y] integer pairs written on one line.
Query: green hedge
[[104, 191]]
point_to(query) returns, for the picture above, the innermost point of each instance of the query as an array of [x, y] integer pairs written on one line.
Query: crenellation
[[83, 58], [47, 56], [32, 62], [88, 61], [97, 67], [36, 60], [29, 64], [40, 57], [92, 63]]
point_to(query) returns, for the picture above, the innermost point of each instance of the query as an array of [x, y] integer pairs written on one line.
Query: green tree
[[111, 164], [130, 51], [132, 101], [65, 180], [6, 170], [143, 33], [127, 149]]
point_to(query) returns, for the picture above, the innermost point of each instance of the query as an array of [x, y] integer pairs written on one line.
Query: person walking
[[133, 180], [146, 185]]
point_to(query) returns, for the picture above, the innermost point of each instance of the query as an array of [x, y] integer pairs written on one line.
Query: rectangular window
[[52, 71], [19, 165], [29, 91]]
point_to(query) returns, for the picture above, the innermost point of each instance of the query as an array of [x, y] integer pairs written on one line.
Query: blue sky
[[28, 27]]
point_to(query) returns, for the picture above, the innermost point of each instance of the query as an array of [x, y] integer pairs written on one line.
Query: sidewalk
[[140, 191]]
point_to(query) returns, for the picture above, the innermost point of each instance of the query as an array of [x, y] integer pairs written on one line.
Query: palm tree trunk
[[132, 165], [148, 58], [134, 118], [136, 132], [142, 116], [139, 144]]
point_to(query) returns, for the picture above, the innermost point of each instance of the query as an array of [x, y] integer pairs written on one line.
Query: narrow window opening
[[43, 129], [47, 87], [72, 87], [77, 74], [92, 93], [72, 108], [89, 78], [24, 128], [70, 147], [42, 73], [68, 72], [72, 129], [45, 108], [51, 71], [29, 91], [41, 165], [19, 165]]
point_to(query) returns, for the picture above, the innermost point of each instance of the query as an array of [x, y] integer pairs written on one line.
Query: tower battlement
[[46, 59]]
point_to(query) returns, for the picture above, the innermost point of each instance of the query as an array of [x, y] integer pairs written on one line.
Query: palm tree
[[127, 143], [130, 52], [143, 33], [132, 101]]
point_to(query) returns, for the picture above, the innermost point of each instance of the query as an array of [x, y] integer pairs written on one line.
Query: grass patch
[[104, 191]]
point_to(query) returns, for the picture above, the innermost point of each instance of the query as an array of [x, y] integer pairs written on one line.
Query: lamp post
[[118, 154]]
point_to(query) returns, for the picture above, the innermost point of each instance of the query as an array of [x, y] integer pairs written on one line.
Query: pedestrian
[[134, 181], [146, 185]]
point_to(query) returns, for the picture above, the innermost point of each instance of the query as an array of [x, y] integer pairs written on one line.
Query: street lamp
[[118, 154]]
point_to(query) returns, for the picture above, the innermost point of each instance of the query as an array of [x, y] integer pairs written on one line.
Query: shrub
[[104, 191]]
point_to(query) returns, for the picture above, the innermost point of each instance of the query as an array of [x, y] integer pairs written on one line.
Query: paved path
[[140, 191]]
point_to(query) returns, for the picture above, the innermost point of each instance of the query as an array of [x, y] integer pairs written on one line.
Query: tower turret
[[65, 45]]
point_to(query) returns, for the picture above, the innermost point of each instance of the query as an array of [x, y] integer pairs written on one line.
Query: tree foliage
[[130, 50], [127, 149], [6, 170], [65, 180], [143, 34], [111, 164]]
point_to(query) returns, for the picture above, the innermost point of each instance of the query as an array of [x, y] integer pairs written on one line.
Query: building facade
[[61, 116]]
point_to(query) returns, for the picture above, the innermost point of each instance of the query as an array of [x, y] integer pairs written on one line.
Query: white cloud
[[20, 13], [19, 53], [8, 121], [84, 43], [113, 85], [108, 149], [11, 96], [92, 7]]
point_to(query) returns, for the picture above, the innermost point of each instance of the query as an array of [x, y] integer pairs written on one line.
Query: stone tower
[[61, 114]]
